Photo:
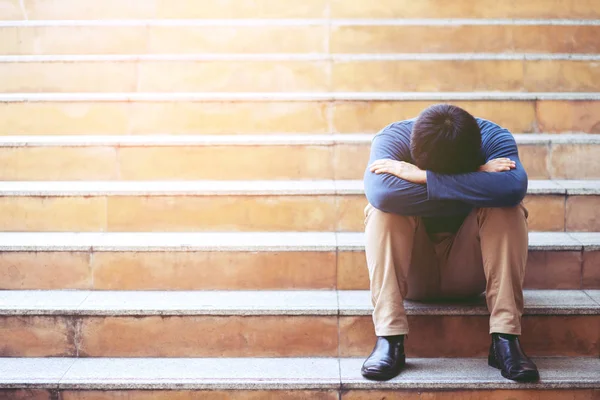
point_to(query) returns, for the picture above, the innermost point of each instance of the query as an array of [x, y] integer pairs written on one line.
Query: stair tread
[[340, 57], [244, 187], [281, 373], [241, 241], [252, 140], [139, 22], [294, 96], [268, 302]]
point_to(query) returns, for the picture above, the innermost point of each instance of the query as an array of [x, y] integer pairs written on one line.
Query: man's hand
[[401, 169], [498, 165]]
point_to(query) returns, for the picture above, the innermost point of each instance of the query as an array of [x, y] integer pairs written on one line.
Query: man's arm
[[485, 189], [392, 194]]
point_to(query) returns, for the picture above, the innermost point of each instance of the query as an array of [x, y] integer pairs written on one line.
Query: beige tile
[[73, 40], [350, 160], [10, 10], [427, 76], [572, 336], [63, 118], [553, 270], [555, 39], [591, 270], [569, 116], [465, 39], [546, 213], [45, 270], [542, 336], [352, 271], [350, 213], [226, 162], [58, 163], [369, 117], [229, 117], [535, 160], [58, 77], [209, 336], [200, 394], [36, 336], [558, 76], [237, 39], [465, 9], [512, 394], [12, 43], [90, 9], [575, 161], [29, 394], [242, 9], [214, 270], [583, 213], [222, 213], [239, 76], [419, 39], [52, 214]]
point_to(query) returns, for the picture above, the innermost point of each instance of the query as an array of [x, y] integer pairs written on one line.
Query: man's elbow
[[515, 194], [379, 198]]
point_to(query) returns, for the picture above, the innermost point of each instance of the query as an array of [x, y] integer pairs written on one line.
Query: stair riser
[[305, 213], [302, 76], [247, 270], [117, 9], [280, 336], [340, 161], [115, 118], [514, 394], [299, 39]]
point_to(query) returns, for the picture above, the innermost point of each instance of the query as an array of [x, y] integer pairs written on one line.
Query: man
[[445, 221]]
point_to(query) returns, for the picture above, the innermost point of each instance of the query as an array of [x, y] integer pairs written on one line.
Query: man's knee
[[388, 220], [505, 215]]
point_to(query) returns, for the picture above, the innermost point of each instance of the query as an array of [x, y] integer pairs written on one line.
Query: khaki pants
[[488, 253]]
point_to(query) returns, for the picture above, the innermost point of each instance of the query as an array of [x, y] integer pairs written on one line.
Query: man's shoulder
[[489, 127], [403, 128]]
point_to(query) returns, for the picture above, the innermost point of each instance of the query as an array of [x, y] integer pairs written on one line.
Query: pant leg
[[492, 243], [394, 242]]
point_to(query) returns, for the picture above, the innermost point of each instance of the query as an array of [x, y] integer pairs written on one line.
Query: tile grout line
[[339, 332], [24, 10], [59, 383], [588, 295]]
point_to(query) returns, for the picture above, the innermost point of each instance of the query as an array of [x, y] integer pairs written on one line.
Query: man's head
[[446, 139]]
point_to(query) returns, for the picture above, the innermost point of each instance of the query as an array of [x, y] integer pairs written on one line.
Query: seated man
[[445, 221]]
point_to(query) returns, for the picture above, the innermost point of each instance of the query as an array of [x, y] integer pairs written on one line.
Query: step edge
[[176, 140], [293, 96]]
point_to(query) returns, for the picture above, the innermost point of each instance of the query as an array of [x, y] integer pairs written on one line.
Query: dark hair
[[446, 139]]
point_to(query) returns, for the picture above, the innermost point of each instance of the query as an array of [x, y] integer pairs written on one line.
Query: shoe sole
[[527, 376], [384, 376]]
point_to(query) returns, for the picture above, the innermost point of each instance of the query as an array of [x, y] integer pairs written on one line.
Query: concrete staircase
[[181, 196]]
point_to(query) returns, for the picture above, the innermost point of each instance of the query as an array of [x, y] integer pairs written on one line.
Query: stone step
[[234, 157], [261, 113], [275, 324], [118, 9], [245, 261], [287, 379], [352, 74], [319, 35], [245, 206]]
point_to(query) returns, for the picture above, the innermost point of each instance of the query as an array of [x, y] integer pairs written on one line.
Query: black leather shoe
[[386, 360], [506, 355]]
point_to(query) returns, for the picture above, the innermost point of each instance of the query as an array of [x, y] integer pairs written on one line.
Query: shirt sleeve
[[391, 194], [485, 189]]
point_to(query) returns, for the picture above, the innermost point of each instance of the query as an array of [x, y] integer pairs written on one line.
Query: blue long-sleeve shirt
[[445, 200]]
